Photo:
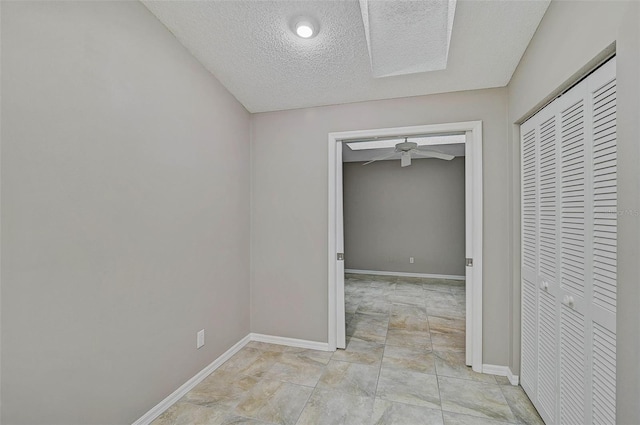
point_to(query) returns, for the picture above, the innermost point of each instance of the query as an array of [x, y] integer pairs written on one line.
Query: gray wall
[[570, 36], [290, 207], [125, 197], [392, 213]]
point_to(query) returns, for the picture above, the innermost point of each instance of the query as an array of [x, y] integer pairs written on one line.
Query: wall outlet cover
[[200, 339]]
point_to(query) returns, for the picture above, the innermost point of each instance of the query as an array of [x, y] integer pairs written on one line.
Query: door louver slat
[[529, 333], [547, 199], [604, 376], [572, 195], [547, 354], [572, 366], [529, 200], [605, 197]]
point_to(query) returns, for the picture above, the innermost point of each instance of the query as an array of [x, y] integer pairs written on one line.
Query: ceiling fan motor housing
[[406, 146]]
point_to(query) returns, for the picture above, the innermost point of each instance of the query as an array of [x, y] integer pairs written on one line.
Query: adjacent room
[[189, 235], [404, 232]]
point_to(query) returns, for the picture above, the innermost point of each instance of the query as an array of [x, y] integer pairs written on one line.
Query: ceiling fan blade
[[380, 158], [432, 154], [405, 159]]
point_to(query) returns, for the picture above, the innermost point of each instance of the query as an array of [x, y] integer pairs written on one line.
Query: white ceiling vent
[[406, 37]]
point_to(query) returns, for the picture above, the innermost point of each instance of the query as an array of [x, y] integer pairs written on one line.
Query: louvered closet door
[[529, 259], [569, 191], [572, 119], [548, 208], [602, 108]]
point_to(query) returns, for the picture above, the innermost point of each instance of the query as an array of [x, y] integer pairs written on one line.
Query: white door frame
[[473, 219]]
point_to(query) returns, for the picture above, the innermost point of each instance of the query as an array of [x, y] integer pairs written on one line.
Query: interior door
[[340, 320]]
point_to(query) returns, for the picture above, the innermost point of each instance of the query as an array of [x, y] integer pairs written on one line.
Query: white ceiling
[[251, 48]]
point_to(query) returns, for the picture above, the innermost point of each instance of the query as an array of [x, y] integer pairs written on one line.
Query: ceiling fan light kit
[[405, 159]]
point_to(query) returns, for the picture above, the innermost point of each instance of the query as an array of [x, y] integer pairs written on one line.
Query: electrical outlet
[[200, 339], [410, 260]]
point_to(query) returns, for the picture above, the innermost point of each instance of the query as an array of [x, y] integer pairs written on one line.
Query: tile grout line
[[384, 346], [435, 366]]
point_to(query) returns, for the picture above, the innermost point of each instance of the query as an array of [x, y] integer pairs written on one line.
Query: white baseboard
[[404, 274], [291, 342], [501, 371], [514, 379], [159, 408]]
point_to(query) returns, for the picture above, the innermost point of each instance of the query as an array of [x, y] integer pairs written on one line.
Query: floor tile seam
[[305, 404], [274, 379], [253, 419], [438, 353], [372, 314], [448, 317], [474, 417], [442, 291], [449, 333], [511, 407], [384, 347], [235, 412], [407, 403], [435, 368], [354, 362], [465, 379], [374, 326], [481, 417], [315, 388], [343, 392], [472, 380], [429, 324], [246, 394], [444, 350]]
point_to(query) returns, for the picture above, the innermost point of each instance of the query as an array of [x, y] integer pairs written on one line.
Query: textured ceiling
[[251, 48]]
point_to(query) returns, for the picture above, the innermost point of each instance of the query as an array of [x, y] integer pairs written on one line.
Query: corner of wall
[[250, 301]]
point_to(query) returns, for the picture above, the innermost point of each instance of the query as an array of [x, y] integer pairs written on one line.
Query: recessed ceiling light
[[305, 29]]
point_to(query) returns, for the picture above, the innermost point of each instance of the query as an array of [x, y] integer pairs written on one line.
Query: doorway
[[473, 224]]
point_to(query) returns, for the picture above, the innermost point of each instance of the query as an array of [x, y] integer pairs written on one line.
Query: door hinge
[[469, 262], [340, 256]]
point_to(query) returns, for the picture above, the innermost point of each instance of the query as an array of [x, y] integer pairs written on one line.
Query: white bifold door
[[569, 215]]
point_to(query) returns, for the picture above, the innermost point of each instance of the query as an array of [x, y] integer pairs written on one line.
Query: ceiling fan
[[407, 149]]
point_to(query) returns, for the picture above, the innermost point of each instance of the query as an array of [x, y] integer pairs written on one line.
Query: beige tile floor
[[404, 365]]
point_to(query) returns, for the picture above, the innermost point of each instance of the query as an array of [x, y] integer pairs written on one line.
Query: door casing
[[473, 224]]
